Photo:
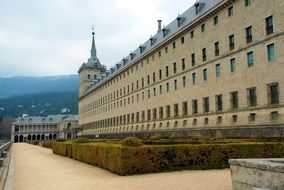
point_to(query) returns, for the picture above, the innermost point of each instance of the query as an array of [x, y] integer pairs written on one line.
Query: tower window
[[215, 20], [231, 11]]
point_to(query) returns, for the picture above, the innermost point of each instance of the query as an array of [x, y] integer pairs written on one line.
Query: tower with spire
[[91, 70]]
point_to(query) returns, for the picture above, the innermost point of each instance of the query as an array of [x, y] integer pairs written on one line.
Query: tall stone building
[[219, 64]]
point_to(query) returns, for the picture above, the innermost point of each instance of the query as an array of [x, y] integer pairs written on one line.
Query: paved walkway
[[36, 168]]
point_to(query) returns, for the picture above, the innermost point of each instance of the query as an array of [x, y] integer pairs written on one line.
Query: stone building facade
[[40, 128], [219, 64], [68, 128]]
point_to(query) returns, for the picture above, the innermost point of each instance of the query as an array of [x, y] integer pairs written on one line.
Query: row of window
[[98, 127], [166, 112], [130, 88], [269, 28]]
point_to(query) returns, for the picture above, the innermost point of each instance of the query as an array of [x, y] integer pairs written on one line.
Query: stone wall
[[224, 132], [250, 174]]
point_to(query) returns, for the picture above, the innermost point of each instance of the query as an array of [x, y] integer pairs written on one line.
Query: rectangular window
[[148, 115], [233, 65], [205, 74], [271, 52], [175, 84], [168, 87], [167, 71], [161, 113], [183, 64], [161, 89], [142, 82], [202, 27], [184, 81], [273, 93], [176, 110], [194, 107], [250, 59], [148, 79], [215, 20], [252, 98], [269, 25], [154, 77], [184, 109], [149, 94], [206, 105], [193, 59], [247, 2], [182, 40], [137, 117], [166, 49], [143, 116], [234, 100], [193, 78], [175, 68], [160, 74], [168, 111], [252, 117], [218, 70], [154, 114], [154, 91], [219, 102], [217, 49], [192, 34], [231, 11], [204, 57], [174, 45], [249, 34], [274, 115], [232, 42]]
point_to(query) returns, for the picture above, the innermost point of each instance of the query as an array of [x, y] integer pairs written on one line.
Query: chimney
[[159, 25]]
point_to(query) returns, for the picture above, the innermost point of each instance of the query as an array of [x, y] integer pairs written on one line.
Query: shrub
[[62, 148], [131, 141], [129, 160], [47, 144], [82, 140], [61, 140]]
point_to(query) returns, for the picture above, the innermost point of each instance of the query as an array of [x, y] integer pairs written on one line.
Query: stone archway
[[21, 139], [54, 136], [50, 137], [16, 139], [34, 137], [38, 137], [29, 137], [42, 137]]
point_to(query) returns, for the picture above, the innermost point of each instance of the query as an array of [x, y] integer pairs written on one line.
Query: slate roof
[[51, 119], [187, 18]]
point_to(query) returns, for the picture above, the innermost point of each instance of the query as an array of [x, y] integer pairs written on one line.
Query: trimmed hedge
[[131, 141], [62, 148], [151, 159], [47, 144], [125, 160]]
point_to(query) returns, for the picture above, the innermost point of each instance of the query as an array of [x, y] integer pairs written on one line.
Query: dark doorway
[[16, 139]]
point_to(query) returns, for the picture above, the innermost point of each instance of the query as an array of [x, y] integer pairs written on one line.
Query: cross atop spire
[[93, 50]]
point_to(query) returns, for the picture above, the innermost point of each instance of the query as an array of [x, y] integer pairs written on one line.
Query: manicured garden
[[134, 156]]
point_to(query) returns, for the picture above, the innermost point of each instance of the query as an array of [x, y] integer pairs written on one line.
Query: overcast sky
[[53, 37]]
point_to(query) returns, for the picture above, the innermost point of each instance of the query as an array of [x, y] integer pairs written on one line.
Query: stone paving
[[36, 168]]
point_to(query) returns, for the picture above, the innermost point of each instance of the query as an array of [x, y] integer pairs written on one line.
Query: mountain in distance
[[15, 86], [40, 104]]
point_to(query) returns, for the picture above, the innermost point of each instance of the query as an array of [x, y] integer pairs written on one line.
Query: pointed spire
[[93, 50]]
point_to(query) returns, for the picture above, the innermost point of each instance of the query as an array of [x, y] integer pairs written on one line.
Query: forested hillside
[[39, 104]]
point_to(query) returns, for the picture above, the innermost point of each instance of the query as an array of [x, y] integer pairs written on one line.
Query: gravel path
[[36, 168]]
